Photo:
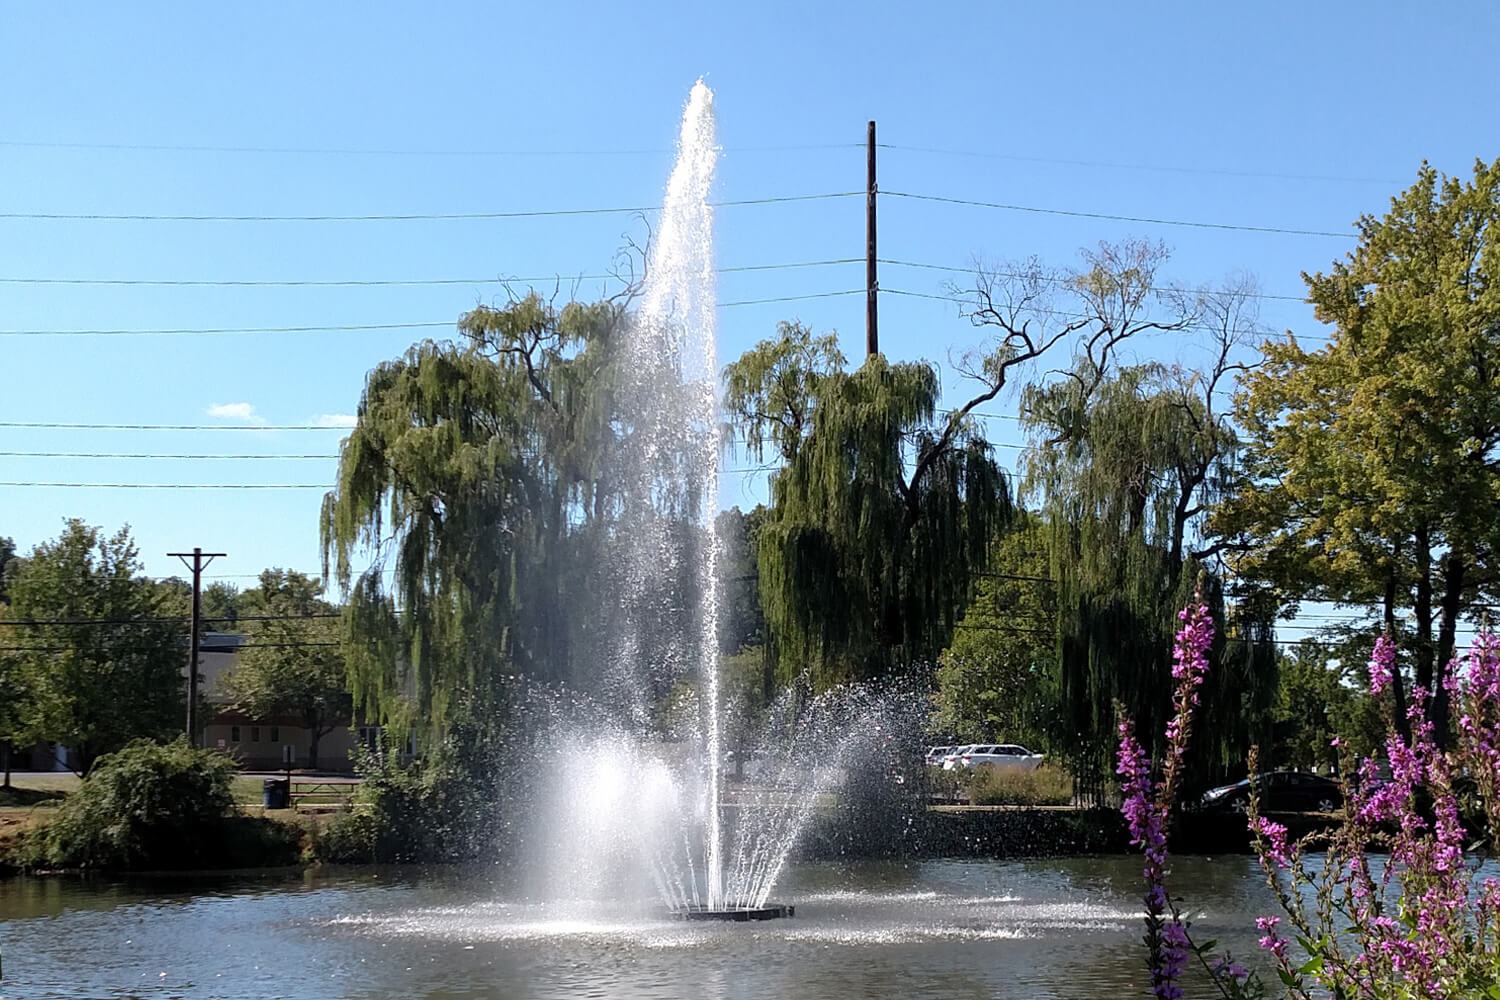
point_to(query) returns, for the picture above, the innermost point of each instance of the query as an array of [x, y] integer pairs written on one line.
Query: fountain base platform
[[736, 914]]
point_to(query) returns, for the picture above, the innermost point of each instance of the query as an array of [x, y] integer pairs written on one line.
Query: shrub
[[349, 838], [445, 806], [148, 805], [258, 842]]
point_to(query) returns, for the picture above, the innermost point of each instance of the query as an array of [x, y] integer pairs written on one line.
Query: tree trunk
[[1454, 566], [5, 762], [315, 734], [1398, 684], [1423, 610]]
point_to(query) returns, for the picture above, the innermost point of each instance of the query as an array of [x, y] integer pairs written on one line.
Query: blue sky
[[1288, 115]]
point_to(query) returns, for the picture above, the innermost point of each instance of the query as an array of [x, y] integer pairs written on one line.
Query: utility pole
[[872, 283], [199, 559]]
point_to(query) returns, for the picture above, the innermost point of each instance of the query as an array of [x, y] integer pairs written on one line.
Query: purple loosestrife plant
[[1417, 923], [1147, 807]]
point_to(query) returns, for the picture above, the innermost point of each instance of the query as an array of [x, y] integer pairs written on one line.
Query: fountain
[[643, 803]]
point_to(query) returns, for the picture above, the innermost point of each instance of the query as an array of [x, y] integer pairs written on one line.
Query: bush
[[157, 806], [350, 838], [148, 805], [444, 807], [258, 842]]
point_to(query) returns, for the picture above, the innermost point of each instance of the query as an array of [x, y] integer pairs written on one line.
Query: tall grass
[[1048, 785]]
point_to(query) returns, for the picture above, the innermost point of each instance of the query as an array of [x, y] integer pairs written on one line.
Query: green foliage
[[292, 667], [879, 515], [1125, 459], [92, 689], [148, 805], [1370, 466], [996, 679], [219, 604], [458, 802], [423, 811], [741, 621], [476, 474], [772, 392], [1313, 706], [7, 556]]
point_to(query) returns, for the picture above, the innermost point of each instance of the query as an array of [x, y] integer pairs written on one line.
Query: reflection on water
[[945, 929]]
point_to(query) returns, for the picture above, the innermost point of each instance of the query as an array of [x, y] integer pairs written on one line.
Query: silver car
[[936, 755], [1006, 756]]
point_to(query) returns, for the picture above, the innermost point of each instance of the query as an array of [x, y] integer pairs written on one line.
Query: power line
[[360, 327], [174, 486], [239, 646], [220, 486], [641, 209], [961, 300], [237, 458], [667, 151], [410, 217], [173, 427], [366, 151], [1021, 630], [167, 620], [114, 454], [1109, 165], [227, 329], [973, 270], [792, 298], [181, 427], [385, 282], [1116, 218]]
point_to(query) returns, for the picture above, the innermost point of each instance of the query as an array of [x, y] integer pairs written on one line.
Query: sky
[[1286, 116]]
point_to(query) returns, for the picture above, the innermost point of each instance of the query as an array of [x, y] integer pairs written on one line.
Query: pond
[[932, 929]]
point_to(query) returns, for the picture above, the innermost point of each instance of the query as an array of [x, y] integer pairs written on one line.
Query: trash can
[[277, 793]]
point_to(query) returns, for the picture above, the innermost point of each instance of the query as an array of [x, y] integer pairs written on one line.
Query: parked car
[[935, 755], [1006, 756], [1279, 791], [954, 757]]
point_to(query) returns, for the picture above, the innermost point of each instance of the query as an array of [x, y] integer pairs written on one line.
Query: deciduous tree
[[478, 482], [103, 664], [1373, 463], [883, 506], [1124, 460], [293, 665]]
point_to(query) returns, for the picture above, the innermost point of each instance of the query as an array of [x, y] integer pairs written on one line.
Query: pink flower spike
[[1382, 665]]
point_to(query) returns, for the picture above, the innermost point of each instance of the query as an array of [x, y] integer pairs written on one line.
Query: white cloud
[[236, 411], [335, 420]]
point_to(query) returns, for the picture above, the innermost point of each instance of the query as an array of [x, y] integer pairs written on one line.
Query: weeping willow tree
[[1125, 460], [884, 506], [474, 489]]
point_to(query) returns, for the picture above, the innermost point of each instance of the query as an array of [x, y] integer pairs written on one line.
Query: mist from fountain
[[636, 804]]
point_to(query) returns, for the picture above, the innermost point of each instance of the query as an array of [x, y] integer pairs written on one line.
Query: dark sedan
[[1280, 791]]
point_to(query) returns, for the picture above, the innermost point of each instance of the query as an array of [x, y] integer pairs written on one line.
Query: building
[[260, 744]]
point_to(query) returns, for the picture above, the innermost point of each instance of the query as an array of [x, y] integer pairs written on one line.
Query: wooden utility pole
[[872, 283], [199, 559]]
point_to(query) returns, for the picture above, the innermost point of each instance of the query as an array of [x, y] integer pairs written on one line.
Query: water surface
[[1061, 928]]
